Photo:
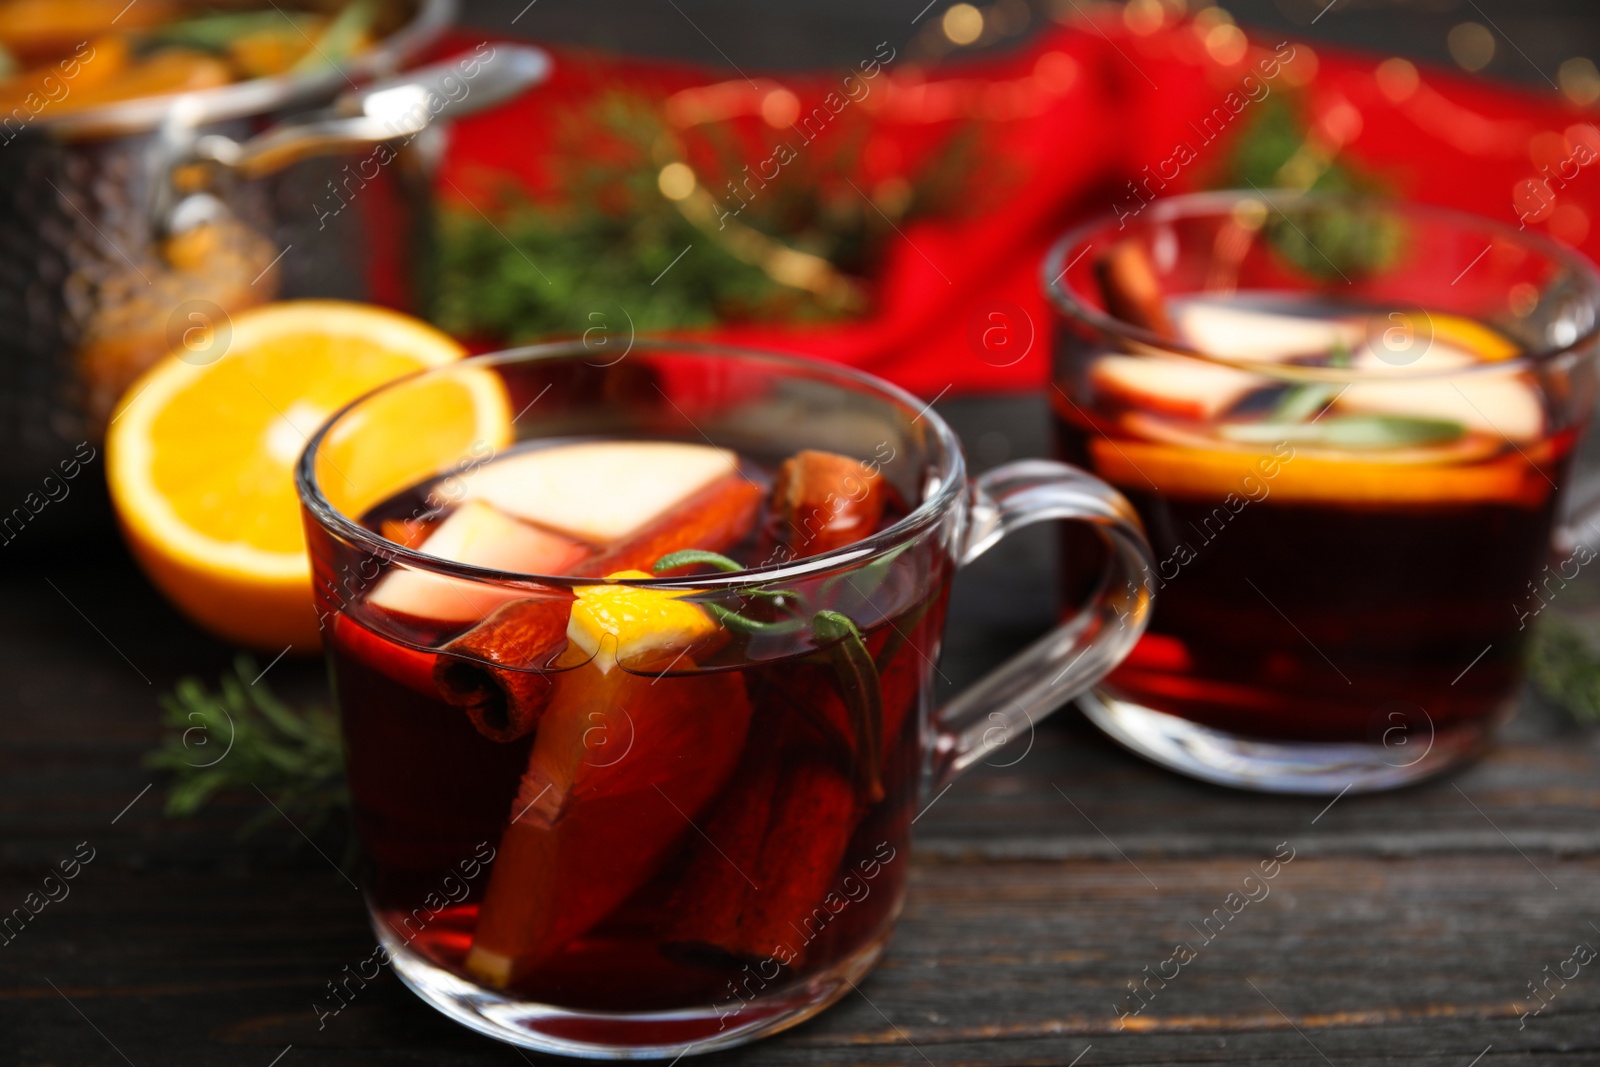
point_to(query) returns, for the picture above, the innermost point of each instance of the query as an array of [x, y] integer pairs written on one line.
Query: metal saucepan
[[123, 226]]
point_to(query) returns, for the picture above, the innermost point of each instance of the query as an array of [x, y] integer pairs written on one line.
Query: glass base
[[624, 1035], [1282, 766]]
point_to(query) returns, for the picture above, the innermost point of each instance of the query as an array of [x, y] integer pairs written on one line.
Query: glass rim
[[1165, 209], [934, 504]]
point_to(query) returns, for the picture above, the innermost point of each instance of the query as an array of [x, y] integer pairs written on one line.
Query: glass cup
[[1346, 425], [676, 856]]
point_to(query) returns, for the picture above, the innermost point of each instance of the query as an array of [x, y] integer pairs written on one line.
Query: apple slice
[[602, 492], [1174, 385], [1437, 356], [1502, 405], [1445, 340], [477, 534], [1235, 331]]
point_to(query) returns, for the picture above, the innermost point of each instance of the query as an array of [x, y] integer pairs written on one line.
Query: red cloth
[[1076, 116]]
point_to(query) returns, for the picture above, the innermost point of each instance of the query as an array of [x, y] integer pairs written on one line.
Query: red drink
[[690, 811], [1345, 425], [1303, 598], [632, 643], [1333, 556]]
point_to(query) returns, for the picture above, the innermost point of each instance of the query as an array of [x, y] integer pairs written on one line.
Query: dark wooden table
[[1406, 929]]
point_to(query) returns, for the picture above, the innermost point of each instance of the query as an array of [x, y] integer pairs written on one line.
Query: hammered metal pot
[[123, 228]]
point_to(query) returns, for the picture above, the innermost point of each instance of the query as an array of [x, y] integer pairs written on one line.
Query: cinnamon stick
[[717, 517], [506, 701], [778, 833], [1131, 289], [815, 809], [773, 842], [757, 885], [711, 894], [822, 501]]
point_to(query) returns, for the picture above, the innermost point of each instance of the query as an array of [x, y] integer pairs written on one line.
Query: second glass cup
[[611, 813], [1347, 425]]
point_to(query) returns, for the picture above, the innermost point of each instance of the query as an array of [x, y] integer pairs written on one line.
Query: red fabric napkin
[[1088, 119]]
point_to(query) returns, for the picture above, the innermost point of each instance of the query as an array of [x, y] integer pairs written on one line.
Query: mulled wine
[[1346, 537], [602, 795], [632, 643]]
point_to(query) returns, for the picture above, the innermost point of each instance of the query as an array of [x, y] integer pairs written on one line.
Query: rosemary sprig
[[841, 645], [1564, 665], [855, 678], [1288, 421], [1301, 402], [1356, 432], [690, 557], [241, 737], [785, 600], [214, 32], [341, 38]]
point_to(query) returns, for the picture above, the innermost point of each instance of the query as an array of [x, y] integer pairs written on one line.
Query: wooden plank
[[994, 962]]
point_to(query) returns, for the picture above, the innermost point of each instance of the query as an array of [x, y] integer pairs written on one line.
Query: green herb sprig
[[601, 246], [241, 737], [342, 37], [1355, 432], [1331, 242], [1564, 665], [843, 647], [786, 602]]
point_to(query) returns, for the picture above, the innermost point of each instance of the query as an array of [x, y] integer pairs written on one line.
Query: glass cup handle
[[1077, 653], [1579, 522]]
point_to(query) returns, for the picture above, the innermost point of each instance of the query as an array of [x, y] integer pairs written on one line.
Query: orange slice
[[1483, 341], [1301, 476], [624, 624], [200, 458]]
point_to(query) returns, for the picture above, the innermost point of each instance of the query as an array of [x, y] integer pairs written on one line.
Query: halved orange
[[200, 456]]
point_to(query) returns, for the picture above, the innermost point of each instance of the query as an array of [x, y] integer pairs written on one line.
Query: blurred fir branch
[[241, 737], [604, 240], [1276, 149], [1564, 664], [544, 267]]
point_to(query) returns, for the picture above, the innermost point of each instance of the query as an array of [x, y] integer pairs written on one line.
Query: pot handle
[[395, 108]]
